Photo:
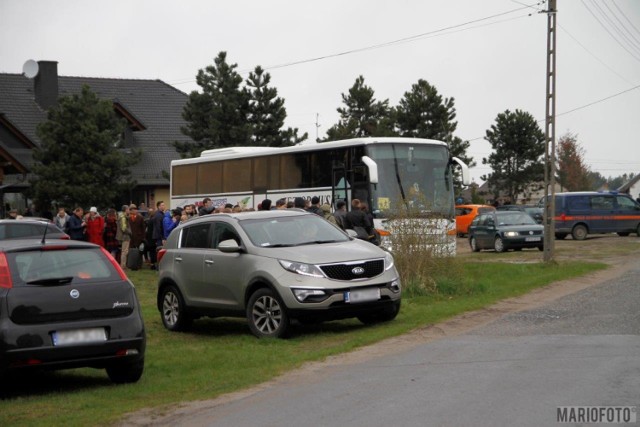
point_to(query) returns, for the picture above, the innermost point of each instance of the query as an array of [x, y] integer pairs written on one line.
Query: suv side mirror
[[229, 246]]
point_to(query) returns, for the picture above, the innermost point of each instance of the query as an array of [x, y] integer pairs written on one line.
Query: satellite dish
[[30, 69]]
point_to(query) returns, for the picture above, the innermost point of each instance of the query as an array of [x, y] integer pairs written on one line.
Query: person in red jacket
[[95, 227]]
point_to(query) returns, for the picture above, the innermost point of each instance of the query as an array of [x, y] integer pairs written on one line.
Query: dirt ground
[[622, 253]]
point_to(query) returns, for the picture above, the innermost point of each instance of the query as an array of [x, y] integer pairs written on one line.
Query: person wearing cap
[[123, 235], [95, 227]]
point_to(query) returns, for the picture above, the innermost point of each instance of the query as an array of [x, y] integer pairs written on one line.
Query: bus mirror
[[373, 169], [466, 177]]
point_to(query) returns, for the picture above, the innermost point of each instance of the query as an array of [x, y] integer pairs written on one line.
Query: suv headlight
[[301, 268], [388, 261]]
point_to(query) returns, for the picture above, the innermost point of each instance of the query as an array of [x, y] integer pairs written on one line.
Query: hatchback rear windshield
[[18, 229], [51, 267]]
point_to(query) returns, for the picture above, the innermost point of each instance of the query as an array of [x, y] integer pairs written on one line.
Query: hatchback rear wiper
[[53, 281]]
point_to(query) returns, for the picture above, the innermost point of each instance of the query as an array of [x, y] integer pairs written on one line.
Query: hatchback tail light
[[5, 274], [115, 264]]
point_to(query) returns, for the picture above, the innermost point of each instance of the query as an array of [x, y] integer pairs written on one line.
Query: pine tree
[[516, 162], [217, 117], [267, 113], [423, 113], [79, 160], [363, 115]]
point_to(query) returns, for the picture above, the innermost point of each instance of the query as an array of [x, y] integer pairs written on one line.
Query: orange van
[[465, 214]]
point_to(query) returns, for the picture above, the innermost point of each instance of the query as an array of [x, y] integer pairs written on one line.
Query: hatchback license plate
[[532, 239], [362, 295], [79, 336]]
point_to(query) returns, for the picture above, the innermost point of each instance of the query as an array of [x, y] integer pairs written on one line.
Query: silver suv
[[273, 266]]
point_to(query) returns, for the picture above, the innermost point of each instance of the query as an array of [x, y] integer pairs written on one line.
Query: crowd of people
[[134, 228]]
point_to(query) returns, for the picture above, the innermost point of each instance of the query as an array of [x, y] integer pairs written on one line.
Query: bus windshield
[[419, 175]]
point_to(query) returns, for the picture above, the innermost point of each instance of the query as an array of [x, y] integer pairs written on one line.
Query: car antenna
[[44, 236]]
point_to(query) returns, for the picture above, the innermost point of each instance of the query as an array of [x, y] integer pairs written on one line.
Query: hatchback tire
[[173, 311], [123, 373], [474, 245], [267, 315], [498, 245]]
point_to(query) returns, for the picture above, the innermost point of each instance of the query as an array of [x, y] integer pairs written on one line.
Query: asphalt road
[[579, 350]]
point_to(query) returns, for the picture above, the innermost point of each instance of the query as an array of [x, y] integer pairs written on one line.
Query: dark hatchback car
[[534, 212], [21, 228], [504, 230], [67, 304]]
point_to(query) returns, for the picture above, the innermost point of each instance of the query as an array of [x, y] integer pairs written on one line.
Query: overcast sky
[[489, 55]]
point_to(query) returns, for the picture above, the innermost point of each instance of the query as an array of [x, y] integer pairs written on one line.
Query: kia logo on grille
[[74, 293], [357, 270]]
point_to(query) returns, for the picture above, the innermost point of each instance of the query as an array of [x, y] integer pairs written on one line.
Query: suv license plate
[[79, 336], [532, 239], [362, 295]]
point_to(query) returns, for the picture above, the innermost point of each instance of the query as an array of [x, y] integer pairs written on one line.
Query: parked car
[[465, 214], [535, 212], [504, 230], [271, 267], [590, 212], [67, 304], [30, 227]]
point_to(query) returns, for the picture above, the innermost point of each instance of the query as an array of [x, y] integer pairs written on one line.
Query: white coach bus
[[379, 171]]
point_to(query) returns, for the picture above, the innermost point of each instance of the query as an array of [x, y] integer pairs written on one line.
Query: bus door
[[360, 184], [340, 186]]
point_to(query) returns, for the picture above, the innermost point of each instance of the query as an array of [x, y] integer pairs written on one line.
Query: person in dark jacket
[[357, 220], [77, 226], [315, 206], [158, 217]]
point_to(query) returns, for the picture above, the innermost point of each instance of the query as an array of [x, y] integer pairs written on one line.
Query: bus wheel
[[579, 232]]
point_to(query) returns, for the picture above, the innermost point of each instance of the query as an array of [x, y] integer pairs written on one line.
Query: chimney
[[46, 84]]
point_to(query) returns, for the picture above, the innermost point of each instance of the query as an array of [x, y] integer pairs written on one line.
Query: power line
[[609, 32], [577, 108], [429, 34]]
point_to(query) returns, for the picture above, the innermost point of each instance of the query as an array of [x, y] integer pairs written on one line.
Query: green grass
[[219, 355]]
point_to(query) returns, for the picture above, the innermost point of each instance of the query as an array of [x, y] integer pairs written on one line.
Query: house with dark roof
[[152, 109]]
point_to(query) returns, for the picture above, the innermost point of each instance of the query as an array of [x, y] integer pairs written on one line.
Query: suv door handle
[[208, 261], [179, 259]]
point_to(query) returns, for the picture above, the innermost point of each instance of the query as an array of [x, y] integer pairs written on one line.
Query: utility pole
[[550, 138], [317, 125]]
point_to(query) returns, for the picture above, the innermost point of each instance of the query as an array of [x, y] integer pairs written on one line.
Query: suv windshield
[[291, 231]]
